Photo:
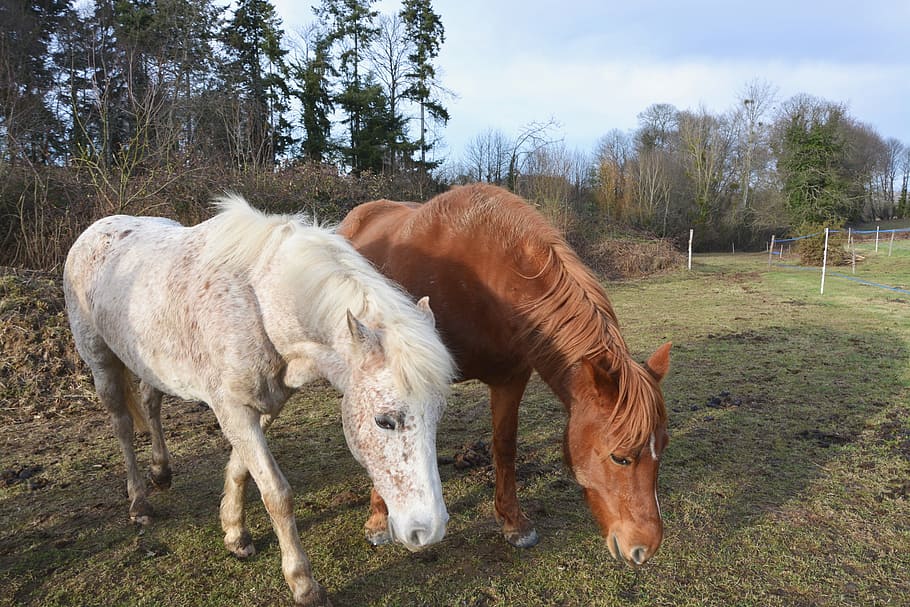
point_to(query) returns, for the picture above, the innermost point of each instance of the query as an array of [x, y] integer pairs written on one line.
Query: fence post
[[771, 250], [876, 238], [891, 244], [691, 232], [824, 261], [849, 236]]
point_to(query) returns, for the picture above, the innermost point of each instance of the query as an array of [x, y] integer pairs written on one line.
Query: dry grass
[[618, 258]]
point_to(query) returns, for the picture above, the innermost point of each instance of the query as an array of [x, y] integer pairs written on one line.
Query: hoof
[[160, 479], [316, 597], [141, 512], [141, 519], [378, 537], [241, 547], [519, 539]]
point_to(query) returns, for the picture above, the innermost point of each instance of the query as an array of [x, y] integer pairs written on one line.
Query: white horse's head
[[391, 431]]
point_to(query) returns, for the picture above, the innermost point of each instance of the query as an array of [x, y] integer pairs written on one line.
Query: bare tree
[[752, 126], [532, 138], [705, 145], [388, 57], [548, 182], [893, 152], [615, 179], [903, 207], [486, 157]]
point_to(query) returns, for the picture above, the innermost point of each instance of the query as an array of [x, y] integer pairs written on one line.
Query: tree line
[[765, 165], [129, 97], [129, 83]]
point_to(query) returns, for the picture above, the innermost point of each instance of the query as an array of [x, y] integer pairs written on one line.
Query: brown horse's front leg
[[517, 528], [377, 525]]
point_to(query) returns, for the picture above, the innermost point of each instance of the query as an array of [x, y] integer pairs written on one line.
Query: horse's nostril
[[639, 555], [418, 536]]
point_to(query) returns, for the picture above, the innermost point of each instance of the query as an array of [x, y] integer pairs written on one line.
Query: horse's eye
[[386, 422], [619, 461]]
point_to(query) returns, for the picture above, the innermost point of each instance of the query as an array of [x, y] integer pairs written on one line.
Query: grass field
[[785, 483]]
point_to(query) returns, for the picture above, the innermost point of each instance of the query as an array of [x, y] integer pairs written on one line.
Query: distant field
[[888, 224], [785, 483]]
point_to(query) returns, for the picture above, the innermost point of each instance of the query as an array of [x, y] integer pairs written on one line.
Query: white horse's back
[[140, 286]]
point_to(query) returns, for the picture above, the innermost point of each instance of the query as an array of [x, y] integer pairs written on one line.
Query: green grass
[[793, 491]]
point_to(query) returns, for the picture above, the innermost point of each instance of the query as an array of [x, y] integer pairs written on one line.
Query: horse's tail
[[140, 423]]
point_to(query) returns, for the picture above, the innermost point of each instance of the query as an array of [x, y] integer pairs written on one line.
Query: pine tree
[[31, 130], [811, 164], [256, 71], [349, 26], [312, 74], [426, 33]]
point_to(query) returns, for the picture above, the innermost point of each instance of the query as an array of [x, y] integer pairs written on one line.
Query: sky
[[593, 66]]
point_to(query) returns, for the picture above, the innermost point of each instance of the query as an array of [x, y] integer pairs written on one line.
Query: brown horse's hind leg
[[504, 400], [160, 473], [377, 525], [111, 383]]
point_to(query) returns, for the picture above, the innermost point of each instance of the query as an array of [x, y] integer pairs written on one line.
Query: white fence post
[[891, 244], [876, 238], [691, 232], [824, 261], [771, 250]]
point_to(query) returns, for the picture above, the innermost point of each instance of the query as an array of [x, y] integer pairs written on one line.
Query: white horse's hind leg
[[242, 428], [237, 538], [110, 383], [160, 473]]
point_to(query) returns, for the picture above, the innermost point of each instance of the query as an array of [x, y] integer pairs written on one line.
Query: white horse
[[238, 312]]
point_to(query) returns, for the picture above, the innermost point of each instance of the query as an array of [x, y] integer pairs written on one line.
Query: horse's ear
[[362, 334], [659, 363], [423, 304]]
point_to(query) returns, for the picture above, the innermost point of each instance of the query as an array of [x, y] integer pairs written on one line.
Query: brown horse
[[510, 296]]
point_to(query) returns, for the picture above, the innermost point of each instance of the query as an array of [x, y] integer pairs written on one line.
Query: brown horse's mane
[[573, 320]]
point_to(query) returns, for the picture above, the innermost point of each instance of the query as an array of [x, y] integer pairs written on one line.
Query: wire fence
[[780, 248], [851, 244]]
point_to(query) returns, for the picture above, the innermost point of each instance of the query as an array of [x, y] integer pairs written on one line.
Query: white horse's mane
[[330, 277]]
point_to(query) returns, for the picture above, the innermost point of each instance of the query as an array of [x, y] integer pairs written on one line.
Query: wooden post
[[824, 261], [891, 244], [771, 250], [876, 238], [691, 232], [734, 248], [849, 236]]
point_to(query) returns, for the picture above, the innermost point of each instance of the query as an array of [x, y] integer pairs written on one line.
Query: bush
[[44, 209], [811, 250]]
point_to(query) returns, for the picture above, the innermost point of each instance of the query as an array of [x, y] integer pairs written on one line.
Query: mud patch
[[824, 439]]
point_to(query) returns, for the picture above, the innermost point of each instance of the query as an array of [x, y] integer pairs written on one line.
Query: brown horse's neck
[[560, 382], [561, 377]]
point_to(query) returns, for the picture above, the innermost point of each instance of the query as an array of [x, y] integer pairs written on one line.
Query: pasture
[[785, 483]]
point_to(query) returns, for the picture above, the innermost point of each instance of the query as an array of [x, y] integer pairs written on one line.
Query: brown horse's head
[[616, 433]]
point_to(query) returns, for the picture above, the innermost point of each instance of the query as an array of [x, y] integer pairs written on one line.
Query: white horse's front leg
[[242, 427]]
